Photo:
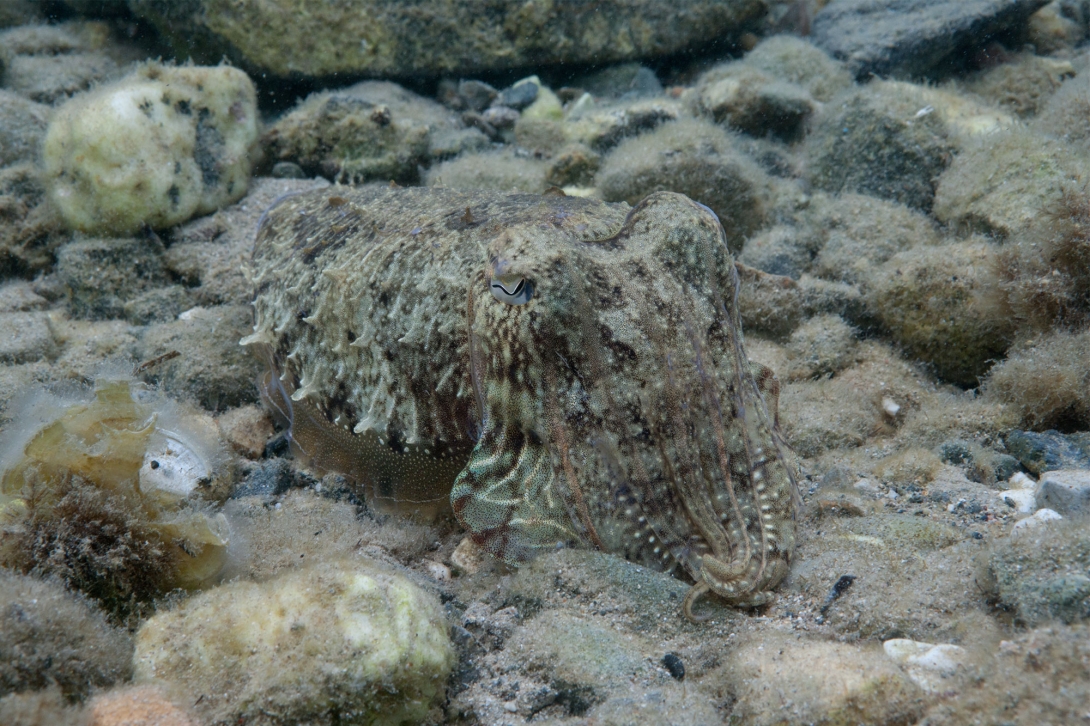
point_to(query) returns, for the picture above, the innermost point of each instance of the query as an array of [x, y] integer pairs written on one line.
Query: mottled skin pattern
[[616, 408]]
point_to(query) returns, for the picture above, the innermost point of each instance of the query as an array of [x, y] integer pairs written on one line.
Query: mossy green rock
[[343, 642], [394, 38]]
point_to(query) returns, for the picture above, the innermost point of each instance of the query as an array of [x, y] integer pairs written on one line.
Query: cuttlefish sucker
[[566, 371]]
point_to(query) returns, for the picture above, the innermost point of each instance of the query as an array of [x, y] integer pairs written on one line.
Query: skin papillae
[[614, 409]]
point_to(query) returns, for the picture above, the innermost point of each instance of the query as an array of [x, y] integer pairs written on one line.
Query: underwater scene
[[530, 362]]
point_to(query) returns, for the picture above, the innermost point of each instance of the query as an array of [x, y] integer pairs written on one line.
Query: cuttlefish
[[562, 371]]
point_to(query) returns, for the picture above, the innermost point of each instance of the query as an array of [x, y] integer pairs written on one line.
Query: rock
[[1024, 84], [52, 637], [769, 304], [1064, 114], [505, 170], [49, 63], [573, 166], [928, 665], [797, 61], [626, 80], [1066, 491], [1049, 450], [39, 708], [782, 250], [156, 148], [828, 683], [743, 97], [943, 306], [158, 305], [1022, 501], [956, 451], [602, 127], [246, 429], [908, 38], [136, 706], [30, 229], [374, 130], [1041, 575], [521, 94], [1039, 518], [26, 337], [697, 159], [822, 346], [472, 94], [343, 641], [18, 296], [999, 183], [102, 275], [850, 235], [22, 126], [863, 142], [212, 368], [387, 38], [1044, 382]]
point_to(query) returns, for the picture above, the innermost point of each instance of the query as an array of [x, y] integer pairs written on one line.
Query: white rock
[[926, 664], [1020, 481], [1066, 490], [1023, 500], [1040, 517]]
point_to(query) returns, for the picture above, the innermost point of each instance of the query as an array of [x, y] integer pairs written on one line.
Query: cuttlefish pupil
[[512, 290]]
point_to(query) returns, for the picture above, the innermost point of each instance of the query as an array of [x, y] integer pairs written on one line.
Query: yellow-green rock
[[344, 642]]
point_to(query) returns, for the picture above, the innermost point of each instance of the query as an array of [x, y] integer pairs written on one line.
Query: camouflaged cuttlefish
[[566, 371]]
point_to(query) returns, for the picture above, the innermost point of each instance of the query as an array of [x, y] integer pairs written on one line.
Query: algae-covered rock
[[695, 158], [344, 642], [391, 38], [110, 493], [100, 275], [822, 682], [49, 636], [1023, 85], [875, 140], [999, 183], [750, 100], [1046, 381], [49, 63], [155, 148], [943, 305], [22, 126], [1042, 574], [821, 346], [793, 59], [374, 130], [211, 368], [30, 229], [506, 170]]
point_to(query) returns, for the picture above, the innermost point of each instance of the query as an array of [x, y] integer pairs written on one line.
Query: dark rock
[[477, 95], [907, 38], [1050, 450], [501, 117], [520, 95], [956, 451], [103, 274], [626, 80], [288, 170]]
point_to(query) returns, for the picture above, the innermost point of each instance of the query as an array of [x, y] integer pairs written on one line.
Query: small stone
[[520, 95], [102, 274], [1022, 501], [890, 407], [477, 95], [246, 429], [138, 706], [22, 126], [288, 170], [26, 337], [674, 666], [1039, 518], [18, 296], [437, 571], [467, 556], [1066, 491], [925, 663], [501, 117]]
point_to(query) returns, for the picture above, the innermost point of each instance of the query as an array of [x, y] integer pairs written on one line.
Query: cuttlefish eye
[[512, 290]]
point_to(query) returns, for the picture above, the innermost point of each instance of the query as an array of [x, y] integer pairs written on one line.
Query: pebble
[[1066, 491], [1039, 518], [1049, 450], [520, 95], [26, 337], [926, 664]]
